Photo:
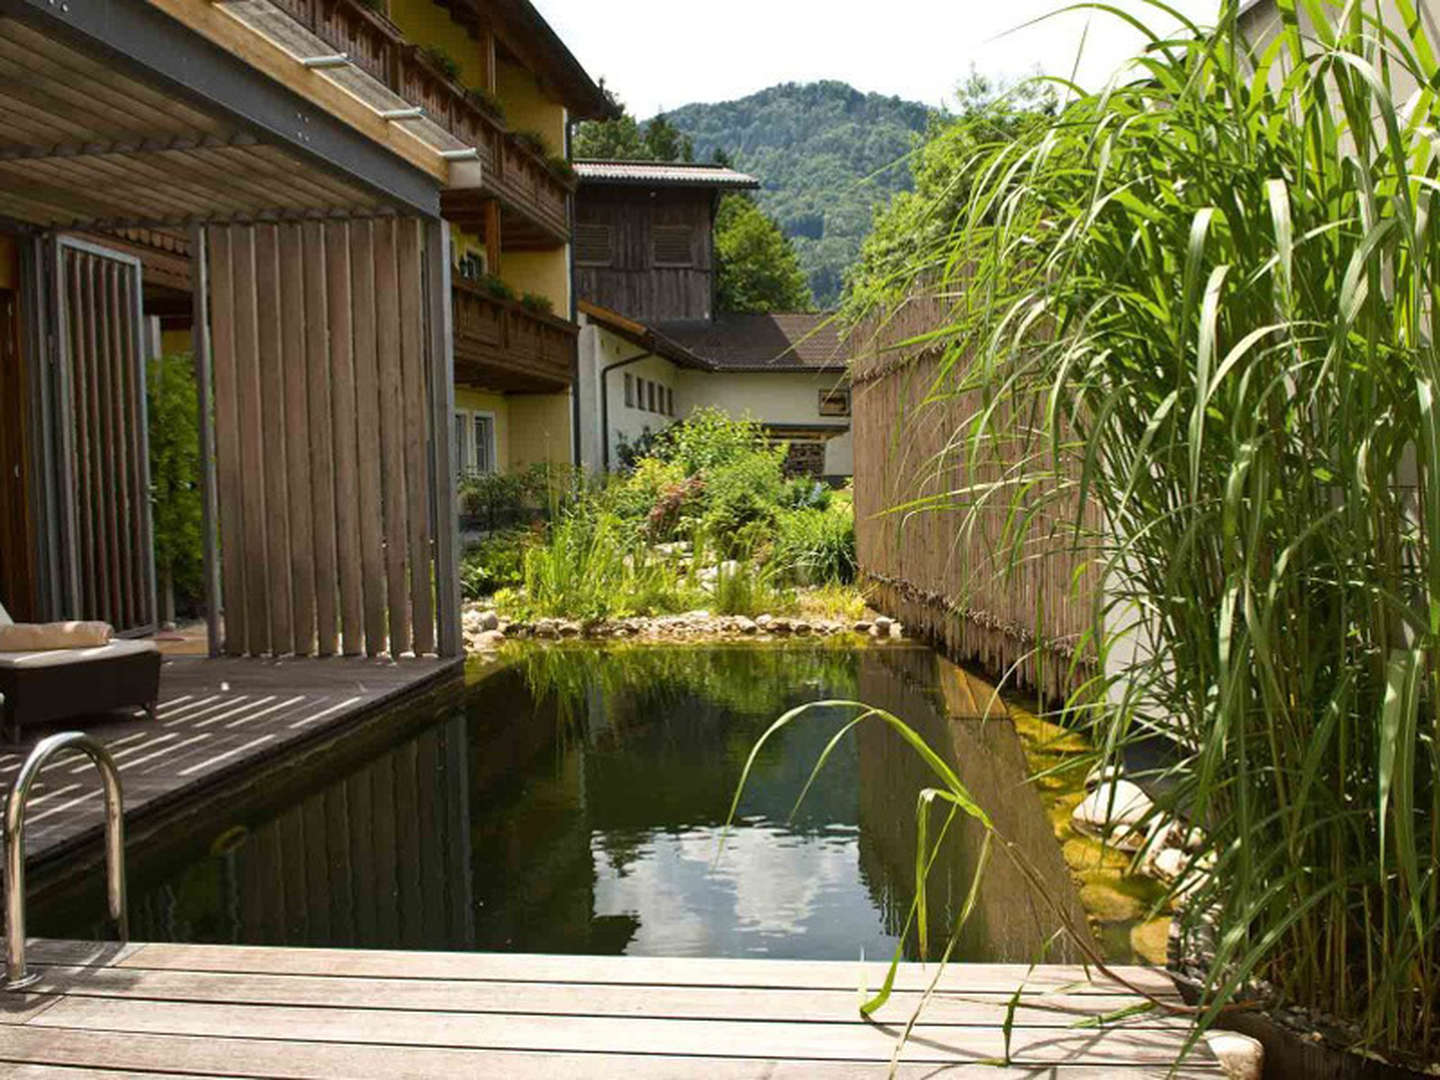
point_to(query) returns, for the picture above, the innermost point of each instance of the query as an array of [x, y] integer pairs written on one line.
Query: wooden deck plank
[[630, 970], [582, 999], [338, 1061], [216, 718], [776, 1040]]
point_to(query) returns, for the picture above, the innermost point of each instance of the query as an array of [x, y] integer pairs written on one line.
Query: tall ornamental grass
[[1198, 311]]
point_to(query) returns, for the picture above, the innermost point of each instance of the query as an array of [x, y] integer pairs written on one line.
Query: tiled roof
[[662, 174], [801, 341]]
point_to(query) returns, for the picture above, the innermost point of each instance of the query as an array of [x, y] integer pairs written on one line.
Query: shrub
[[532, 141], [741, 492], [708, 438], [497, 562], [441, 61], [487, 101], [540, 305], [174, 414], [815, 547], [496, 286]]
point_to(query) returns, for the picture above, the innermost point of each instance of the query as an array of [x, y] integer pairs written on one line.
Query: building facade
[[653, 348]]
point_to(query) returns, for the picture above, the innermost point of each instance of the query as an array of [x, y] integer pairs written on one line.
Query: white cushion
[[61, 657], [5, 619]]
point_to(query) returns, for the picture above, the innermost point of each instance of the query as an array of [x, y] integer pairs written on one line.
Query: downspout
[[605, 402], [575, 454]]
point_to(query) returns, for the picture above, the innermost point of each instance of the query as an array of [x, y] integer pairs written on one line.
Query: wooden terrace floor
[[217, 718], [216, 1010]]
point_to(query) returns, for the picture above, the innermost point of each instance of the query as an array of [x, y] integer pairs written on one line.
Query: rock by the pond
[[764, 621], [487, 639], [882, 623], [746, 626], [1111, 807], [1241, 1057], [896, 630], [862, 626], [569, 629], [801, 627], [781, 626]]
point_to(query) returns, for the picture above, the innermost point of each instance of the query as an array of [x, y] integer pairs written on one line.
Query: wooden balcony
[[534, 201], [502, 345]]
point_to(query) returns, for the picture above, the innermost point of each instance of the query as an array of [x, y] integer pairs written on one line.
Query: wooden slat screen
[[106, 452], [325, 494], [942, 581]]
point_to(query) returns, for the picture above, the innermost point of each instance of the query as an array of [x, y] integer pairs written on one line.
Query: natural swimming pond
[[575, 802]]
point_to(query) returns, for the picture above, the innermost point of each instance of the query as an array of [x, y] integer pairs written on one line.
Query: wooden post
[[492, 236], [440, 339], [209, 509]]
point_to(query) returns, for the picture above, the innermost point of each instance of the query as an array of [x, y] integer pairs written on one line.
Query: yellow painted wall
[[526, 106], [427, 23], [540, 429], [499, 404], [464, 243], [544, 272], [174, 342]]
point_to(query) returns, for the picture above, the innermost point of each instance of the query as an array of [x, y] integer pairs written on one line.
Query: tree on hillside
[[756, 268], [907, 235], [625, 139]]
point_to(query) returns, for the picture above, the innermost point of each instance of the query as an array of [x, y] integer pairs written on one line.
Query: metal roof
[[663, 174]]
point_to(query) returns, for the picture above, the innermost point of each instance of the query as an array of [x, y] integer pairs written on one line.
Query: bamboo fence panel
[[1018, 608], [317, 332]]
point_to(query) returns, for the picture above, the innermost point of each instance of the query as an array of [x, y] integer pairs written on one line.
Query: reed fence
[[955, 570]]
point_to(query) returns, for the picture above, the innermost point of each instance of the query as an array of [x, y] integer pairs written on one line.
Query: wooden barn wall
[[322, 434], [632, 284], [944, 582]]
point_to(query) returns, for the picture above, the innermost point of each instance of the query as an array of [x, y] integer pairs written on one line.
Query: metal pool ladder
[[16, 977]]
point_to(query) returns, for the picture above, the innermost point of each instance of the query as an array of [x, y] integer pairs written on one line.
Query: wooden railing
[[513, 173], [506, 346]]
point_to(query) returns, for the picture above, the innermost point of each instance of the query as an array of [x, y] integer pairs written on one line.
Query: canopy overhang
[[114, 114]]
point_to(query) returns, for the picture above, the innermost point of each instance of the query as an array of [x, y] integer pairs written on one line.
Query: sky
[[660, 54]]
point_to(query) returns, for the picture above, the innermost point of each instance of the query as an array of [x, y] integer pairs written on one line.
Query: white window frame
[[467, 451]]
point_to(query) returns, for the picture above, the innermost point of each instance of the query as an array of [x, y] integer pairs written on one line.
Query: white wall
[[599, 349], [772, 398]]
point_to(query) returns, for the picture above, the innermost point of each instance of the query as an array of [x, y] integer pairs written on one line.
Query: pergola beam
[[129, 148]]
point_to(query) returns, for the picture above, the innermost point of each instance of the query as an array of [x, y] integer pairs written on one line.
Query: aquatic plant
[[1196, 317]]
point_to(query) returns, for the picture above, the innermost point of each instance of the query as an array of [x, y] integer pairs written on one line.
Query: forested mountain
[[826, 154]]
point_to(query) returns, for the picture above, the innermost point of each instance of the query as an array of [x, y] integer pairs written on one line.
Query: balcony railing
[[503, 345], [512, 172]]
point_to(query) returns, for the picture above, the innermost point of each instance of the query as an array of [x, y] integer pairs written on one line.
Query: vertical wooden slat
[[367, 420], [101, 496], [407, 845], [141, 538], [430, 866], [297, 436], [293, 857], [337, 844], [322, 443], [80, 381], [342, 381], [317, 871], [439, 347], [202, 340], [361, 858], [227, 440], [252, 441], [417, 468], [392, 435], [119, 455], [274, 458]]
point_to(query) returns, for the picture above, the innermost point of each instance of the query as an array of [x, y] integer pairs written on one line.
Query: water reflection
[[576, 804]]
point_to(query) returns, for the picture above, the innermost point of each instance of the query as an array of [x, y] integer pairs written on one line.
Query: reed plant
[[1197, 314]]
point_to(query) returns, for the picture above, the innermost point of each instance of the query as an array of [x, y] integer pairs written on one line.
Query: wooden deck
[[212, 1010], [217, 718]]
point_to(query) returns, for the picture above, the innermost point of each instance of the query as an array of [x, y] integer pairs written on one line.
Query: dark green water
[[575, 803]]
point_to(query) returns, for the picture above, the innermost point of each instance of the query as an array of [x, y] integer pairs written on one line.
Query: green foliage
[[1210, 292], [496, 286], [756, 269], [828, 155], [497, 562], [623, 139], [561, 168], [540, 305], [909, 234], [441, 61], [691, 525], [815, 547], [532, 141], [499, 500], [486, 99], [174, 415]]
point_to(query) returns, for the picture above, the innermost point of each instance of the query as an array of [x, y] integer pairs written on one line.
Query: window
[[475, 443], [834, 402], [652, 398], [629, 390], [672, 244], [471, 266], [669, 402], [484, 443], [593, 245], [463, 456]]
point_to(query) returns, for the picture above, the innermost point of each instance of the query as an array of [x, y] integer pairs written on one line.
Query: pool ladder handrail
[[16, 976]]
